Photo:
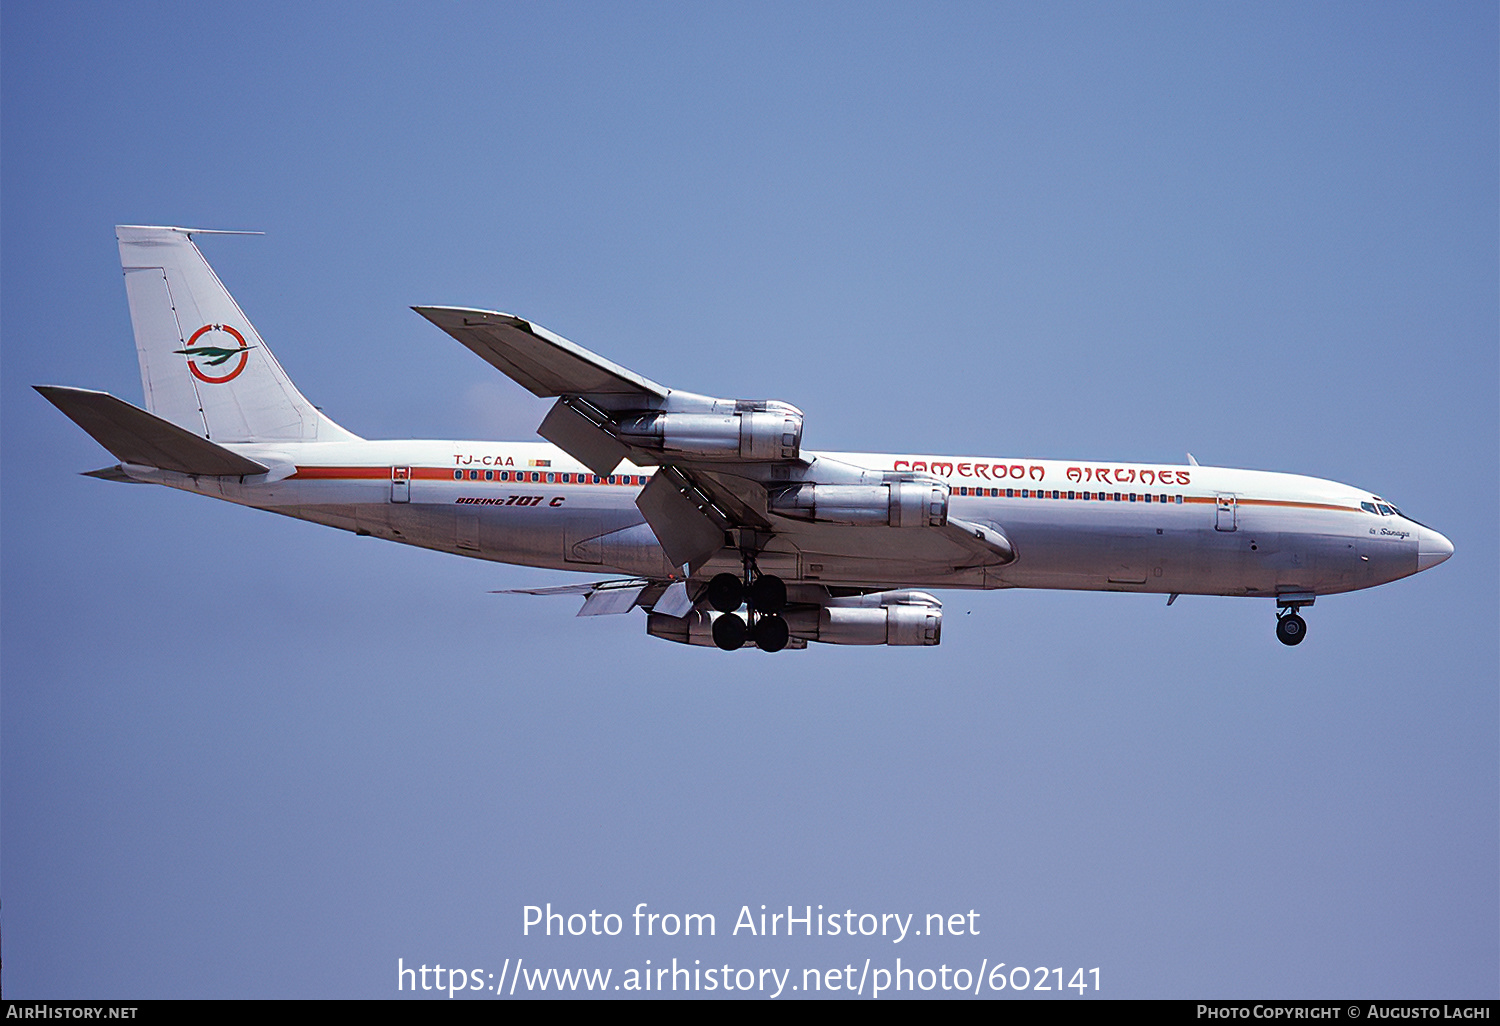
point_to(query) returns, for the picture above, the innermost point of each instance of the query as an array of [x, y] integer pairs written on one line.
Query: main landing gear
[[763, 595]]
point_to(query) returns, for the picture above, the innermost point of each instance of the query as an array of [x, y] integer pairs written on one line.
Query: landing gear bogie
[[763, 595]]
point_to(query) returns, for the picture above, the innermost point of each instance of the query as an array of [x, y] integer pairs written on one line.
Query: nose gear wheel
[[1291, 629]]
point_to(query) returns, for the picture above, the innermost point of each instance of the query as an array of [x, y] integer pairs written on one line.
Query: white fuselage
[[1074, 524], [710, 505]]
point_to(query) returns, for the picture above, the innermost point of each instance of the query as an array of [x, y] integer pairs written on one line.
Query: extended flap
[[686, 534], [580, 438]]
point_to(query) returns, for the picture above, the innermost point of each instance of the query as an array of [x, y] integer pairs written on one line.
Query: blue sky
[[247, 756]]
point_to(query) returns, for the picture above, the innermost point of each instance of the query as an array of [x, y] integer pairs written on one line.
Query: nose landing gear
[[764, 596], [1291, 628]]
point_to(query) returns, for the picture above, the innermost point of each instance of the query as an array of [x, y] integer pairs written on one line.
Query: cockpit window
[[1368, 507], [1386, 511]]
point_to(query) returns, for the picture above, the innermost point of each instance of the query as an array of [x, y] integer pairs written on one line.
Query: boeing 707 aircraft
[[726, 530]]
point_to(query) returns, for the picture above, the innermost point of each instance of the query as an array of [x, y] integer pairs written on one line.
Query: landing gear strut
[[764, 596], [1291, 628]]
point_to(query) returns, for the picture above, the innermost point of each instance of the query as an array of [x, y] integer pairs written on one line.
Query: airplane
[[728, 531]]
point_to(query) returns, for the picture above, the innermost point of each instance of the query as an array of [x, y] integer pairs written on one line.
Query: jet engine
[[894, 504], [694, 629], [697, 628], [753, 430], [884, 618]]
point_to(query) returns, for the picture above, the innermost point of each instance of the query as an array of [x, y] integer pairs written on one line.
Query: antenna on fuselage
[[1192, 460]]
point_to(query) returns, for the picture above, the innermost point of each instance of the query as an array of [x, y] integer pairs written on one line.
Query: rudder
[[204, 367]]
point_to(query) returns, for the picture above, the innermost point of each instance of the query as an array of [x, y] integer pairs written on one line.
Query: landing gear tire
[[771, 634], [729, 632], [1291, 629], [726, 594], [768, 594]]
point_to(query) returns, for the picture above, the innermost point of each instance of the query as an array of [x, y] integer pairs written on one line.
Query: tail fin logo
[[216, 355]]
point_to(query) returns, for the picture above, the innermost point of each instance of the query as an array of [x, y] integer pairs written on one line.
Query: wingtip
[[182, 231], [433, 312]]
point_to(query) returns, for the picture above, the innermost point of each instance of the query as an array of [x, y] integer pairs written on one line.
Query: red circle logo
[[215, 355]]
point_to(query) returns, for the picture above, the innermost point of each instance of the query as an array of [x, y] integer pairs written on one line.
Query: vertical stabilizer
[[204, 366]]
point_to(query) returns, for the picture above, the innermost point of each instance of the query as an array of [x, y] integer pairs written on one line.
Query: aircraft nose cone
[[1432, 549]]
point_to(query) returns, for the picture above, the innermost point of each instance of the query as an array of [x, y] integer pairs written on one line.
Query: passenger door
[[1226, 513]]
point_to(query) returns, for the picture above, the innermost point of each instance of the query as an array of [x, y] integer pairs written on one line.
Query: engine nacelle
[[752, 431], [882, 618], [894, 504], [696, 628], [901, 618]]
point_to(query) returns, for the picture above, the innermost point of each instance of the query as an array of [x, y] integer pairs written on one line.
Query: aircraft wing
[[721, 460], [546, 364]]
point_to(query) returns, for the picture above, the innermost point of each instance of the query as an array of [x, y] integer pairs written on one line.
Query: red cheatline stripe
[[1297, 505], [1272, 502], [441, 474], [329, 473]]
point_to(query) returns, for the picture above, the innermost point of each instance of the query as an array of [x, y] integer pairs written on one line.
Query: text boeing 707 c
[[712, 506]]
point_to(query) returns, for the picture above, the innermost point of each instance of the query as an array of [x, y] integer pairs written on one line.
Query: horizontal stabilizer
[[134, 436], [609, 601], [573, 589], [114, 473], [602, 598]]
